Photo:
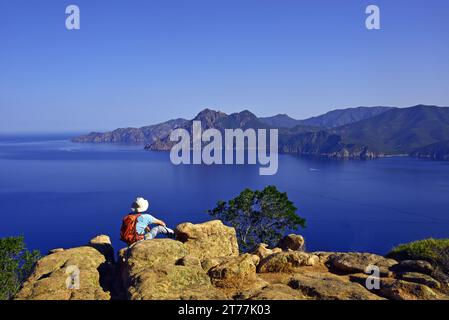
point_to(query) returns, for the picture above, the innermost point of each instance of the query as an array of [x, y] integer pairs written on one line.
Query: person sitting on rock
[[136, 225]]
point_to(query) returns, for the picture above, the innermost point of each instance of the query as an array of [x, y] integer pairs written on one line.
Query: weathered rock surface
[[326, 286], [415, 265], [189, 261], [355, 262], [52, 276], [173, 282], [235, 272], [209, 263], [262, 250], [289, 261], [103, 244], [325, 256], [397, 289], [292, 242], [420, 278], [152, 272], [277, 291], [211, 239], [154, 254], [404, 290]]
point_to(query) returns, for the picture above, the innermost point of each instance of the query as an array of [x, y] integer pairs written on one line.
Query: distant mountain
[[332, 119], [280, 121], [216, 119], [143, 135], [399, 131], [421, 131], [302, 140], [212, 119], [341, 117], [435, 151]]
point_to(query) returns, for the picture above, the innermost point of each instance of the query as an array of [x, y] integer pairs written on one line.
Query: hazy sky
[[135, 63]]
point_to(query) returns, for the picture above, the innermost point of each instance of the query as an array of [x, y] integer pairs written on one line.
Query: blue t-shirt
[[144, 221]]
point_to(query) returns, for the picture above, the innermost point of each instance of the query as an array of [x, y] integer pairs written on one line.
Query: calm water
[[60, 194]]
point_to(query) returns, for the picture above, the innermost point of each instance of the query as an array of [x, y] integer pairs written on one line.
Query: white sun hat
[[140, 205]]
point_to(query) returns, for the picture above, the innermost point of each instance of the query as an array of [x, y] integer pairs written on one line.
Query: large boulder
[[403, 290], [289, 261], [172, 283], [72, 274], [262, 250], [327, 286], [325, 256], [421, 266], [356, 262], [211, 239], [234, 272], [154, 254], [161, 269], [103, 244], [292, 242]]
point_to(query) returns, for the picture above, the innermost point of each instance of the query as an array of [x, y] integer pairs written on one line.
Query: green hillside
[[399, 131]]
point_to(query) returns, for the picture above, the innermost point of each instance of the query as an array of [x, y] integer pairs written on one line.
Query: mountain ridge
[[143, 135], [331, 119], [340, 117], [390, 131]]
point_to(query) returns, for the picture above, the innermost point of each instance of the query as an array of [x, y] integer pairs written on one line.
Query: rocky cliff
[[435, 151], [204, 263], [323, 144]]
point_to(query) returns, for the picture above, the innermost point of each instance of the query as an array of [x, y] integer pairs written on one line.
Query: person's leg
[[157, 230]]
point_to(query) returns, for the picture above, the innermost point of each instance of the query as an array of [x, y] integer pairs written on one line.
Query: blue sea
[[60, 194]]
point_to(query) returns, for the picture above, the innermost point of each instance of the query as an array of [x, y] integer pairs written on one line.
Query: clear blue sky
[[140, 62]]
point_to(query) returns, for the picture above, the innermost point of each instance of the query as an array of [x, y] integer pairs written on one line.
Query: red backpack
[[128, 231]]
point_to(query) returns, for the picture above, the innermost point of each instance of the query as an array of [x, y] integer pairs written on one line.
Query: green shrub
[[432, 250], [16, 264]]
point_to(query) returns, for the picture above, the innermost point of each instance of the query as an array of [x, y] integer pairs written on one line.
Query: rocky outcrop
[[203, 262], [292, 242], [415, 265], [355, 262], [72, 274], [208, 240], [289, 261], [151, 271], [262, 250], [405, 290], [235, 272], [326, 286], [417, 277]]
